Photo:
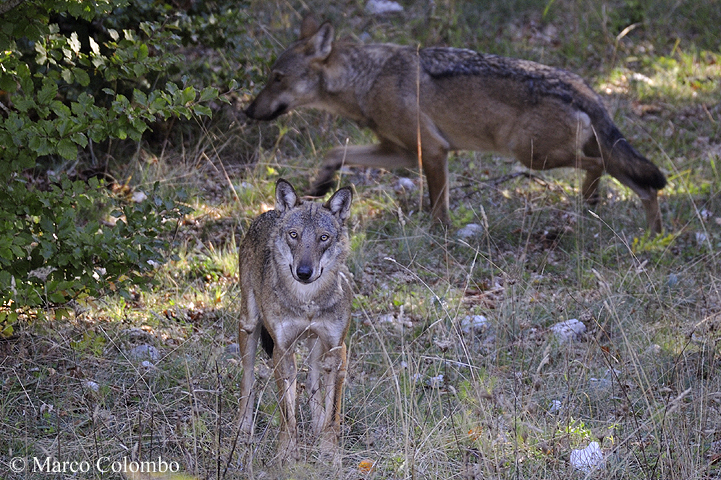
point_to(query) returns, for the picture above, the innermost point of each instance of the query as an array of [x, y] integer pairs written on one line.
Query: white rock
[[475, 324], [569, 331], [139, 196], [144, 352], [242, 186], [382, 7], [587, 459], [387, 318], [469, 231], [41, 273], [435, 382], [90, 385], [404, 184]]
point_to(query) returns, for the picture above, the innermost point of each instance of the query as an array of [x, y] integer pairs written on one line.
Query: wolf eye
[[277, 77], [293, 234], [324, 237]]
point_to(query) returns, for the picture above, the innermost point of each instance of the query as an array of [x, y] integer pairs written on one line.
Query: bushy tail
[[626, 164]]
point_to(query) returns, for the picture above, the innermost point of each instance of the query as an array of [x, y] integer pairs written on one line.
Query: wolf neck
[[349, 75]]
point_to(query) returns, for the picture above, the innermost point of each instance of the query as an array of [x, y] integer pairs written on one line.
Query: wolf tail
[[625, 163]]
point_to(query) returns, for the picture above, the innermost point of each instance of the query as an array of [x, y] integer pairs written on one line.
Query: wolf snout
[[249, 112], [258, 113], [304, 273]]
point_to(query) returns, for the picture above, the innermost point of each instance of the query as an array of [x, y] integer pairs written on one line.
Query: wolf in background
[[295, 284], [425, 102]]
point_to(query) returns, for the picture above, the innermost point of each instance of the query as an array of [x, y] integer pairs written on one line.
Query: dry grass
[[513, 401]]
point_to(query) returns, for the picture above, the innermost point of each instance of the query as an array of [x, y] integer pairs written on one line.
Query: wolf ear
[[339, 203], [320, 44], [285, 196]]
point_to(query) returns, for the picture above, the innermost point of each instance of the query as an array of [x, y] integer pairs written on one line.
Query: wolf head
[[295, 77], [312, 238]]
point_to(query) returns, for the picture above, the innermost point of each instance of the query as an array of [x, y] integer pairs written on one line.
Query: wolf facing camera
[[295, 285]]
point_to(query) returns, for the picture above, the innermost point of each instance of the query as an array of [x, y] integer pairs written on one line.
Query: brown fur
[[544, 116]]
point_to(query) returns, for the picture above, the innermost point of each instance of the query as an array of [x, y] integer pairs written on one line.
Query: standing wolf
[[435, 100], [295, 284]]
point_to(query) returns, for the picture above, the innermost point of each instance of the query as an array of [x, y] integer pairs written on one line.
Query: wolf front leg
[[653, 212], [285, 377], [318, 413], [335, 366], [435, 168]]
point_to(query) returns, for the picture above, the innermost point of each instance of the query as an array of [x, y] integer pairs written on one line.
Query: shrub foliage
[[71, 77]]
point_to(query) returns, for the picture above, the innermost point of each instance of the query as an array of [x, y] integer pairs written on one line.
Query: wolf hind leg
[[248, 345], [382, 155]]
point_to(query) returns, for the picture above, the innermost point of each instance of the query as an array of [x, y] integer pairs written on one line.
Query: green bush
[[62, 92], [55, 253]]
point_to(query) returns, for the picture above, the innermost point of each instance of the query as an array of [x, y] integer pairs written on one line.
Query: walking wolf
[[430, 101]]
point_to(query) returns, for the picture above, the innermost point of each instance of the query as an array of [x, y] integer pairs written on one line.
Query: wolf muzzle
[[304, 273], [252, 112]]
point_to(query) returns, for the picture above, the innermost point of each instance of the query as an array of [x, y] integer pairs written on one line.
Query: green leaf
[[140, 97], [60, 109], [7, 331], [209, 93], [23, 104], [57, 297], [202, 110], [8, 83], [67, 149], [39, 144], [80, 139], [48, 92], [188, 95], [74, 43], [81, 76], [26, 82], [67, 75], [142, 52]]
